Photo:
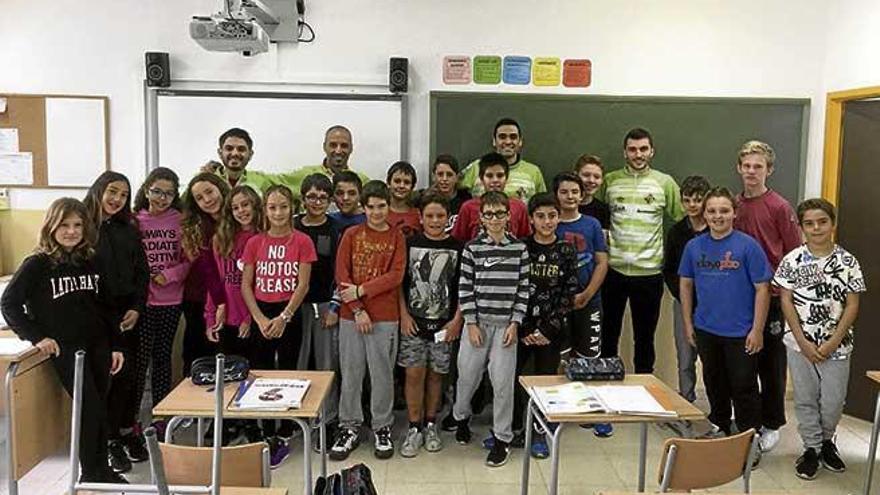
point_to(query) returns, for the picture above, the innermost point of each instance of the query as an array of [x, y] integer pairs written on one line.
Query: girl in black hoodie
[[125, 276], [52, 301]]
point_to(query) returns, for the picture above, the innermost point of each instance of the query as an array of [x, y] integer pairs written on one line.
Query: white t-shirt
[[819, 287]]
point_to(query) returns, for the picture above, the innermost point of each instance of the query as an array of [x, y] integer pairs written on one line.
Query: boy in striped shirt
[[494, 295]]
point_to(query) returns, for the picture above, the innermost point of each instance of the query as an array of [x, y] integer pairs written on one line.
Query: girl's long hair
[[141, 202], [228, 228], [95, 195], [196, 223], [284, 191], [59, 210]]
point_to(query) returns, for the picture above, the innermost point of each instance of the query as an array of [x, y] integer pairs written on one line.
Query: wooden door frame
[[831, 162]]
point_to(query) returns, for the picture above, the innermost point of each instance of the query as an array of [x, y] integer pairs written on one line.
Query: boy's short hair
[[816, 204], [375, 189], [491, 160], [237, 133], [719, 192], [636, 134], [542, 199], [695, 185], [494, 198], [433, 198], [755, 147], [316, 181], [587, 159], [507, 121], [567, 177], [405, 167], [448, 160], [349, 177]]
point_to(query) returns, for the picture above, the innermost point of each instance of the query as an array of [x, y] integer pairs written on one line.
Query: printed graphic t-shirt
[[277, 262], [431, 282]]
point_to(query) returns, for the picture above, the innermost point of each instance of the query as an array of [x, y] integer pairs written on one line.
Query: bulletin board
[[65, 140]]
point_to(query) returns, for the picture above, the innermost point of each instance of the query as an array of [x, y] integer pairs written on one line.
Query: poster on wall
[[577, 73], [517, 69], [487, 69], [456, 69], [546, 71]]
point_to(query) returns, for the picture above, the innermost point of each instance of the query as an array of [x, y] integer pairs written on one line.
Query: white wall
[[645, 47]]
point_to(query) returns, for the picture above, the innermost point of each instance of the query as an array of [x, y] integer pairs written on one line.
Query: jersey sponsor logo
[[725, 263]]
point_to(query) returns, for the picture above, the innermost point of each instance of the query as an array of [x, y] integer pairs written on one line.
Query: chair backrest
[[694, 464], [242, 465]]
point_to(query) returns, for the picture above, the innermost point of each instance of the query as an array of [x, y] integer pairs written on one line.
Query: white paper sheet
[[75, 140], [9, 141], [17, 168]]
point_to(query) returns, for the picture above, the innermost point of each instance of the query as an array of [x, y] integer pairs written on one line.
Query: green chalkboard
[[691, 135]]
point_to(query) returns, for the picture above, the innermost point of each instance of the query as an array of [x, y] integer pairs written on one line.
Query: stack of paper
[[272, 394], [578, 398]]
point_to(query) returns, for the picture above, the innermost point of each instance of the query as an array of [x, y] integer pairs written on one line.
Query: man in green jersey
[[640, 199], [337, 150], [524, 179], [235, 150]]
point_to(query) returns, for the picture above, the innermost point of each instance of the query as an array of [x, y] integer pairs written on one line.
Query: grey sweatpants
[[472, 361], [819, 395], [377, 351], [687, 358], [322, 344]]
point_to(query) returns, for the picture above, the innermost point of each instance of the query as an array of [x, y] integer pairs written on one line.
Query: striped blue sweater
[[494, 285]]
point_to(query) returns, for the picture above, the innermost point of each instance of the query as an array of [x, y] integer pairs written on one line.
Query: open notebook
[[271, 394], [579, 398]]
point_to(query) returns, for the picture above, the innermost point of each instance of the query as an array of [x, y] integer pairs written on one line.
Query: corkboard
[[27, 113]]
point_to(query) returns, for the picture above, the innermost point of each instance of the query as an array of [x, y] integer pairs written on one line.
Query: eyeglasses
[[157, 193], [498, 215], [316, 198]]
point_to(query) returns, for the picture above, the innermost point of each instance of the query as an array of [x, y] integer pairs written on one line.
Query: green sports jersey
[[296, 177], [259, 181], [524, 180], [638, 205]]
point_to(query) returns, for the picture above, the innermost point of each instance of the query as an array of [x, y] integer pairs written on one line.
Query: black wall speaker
[[158, 69], [398, 74]]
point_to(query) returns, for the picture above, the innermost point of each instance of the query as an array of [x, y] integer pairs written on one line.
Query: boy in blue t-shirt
[[731, 275]]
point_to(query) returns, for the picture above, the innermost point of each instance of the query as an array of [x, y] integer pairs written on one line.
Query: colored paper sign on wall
[[517, 70], [456, 69], [577, 73], [546, 71], [487, 69]]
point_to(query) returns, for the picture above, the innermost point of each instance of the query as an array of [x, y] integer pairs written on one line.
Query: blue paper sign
[[517, 70]]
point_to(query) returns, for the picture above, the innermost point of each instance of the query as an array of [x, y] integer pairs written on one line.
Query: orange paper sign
[[577, 73]]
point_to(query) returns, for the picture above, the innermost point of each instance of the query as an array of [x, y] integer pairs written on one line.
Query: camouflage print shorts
[[416, 352]]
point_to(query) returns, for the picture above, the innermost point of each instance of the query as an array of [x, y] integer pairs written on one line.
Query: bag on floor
[[358, 480]]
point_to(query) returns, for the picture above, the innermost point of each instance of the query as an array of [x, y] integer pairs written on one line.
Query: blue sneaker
[[603, 430], [279, 451], [539, 448], [489, 441]]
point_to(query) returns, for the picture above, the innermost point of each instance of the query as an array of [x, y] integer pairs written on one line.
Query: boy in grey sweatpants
[[820, 284], [493, 295]]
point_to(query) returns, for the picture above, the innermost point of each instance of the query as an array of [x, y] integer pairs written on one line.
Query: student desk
[[193, 401], [872, 449], [35, 406], [667, 397], [234, 490]]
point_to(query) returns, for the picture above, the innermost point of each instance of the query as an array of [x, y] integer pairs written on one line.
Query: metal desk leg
[[643, 451], [524, 486], [200, 432], [172, 425], [872, 450], [323, 437], [307, 455], [10, 461]]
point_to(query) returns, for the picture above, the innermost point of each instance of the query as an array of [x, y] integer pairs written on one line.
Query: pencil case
[[595, 369]]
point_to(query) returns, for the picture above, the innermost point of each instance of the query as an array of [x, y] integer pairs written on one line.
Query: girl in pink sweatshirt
[[157, 206]]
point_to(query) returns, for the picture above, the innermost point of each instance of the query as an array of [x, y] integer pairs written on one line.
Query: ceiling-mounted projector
[[247, 26]]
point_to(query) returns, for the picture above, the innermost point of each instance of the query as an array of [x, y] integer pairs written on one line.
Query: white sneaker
[[713, 432], [411, 443], [768, 439], [433, 442]]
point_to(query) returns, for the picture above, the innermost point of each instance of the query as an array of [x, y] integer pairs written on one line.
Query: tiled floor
[[588, 465]]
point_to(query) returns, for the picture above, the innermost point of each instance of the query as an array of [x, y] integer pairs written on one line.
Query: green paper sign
[[487, 69]]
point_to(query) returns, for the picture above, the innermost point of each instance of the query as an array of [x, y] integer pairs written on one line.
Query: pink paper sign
[[456, 69]]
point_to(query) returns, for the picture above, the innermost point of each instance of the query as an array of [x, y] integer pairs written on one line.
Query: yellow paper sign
[[546, 71]]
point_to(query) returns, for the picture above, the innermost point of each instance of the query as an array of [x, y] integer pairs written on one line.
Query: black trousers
[[772, 368], [730, 375], [284, 351], [644, 294], [195, 342], [232, 344], [546, 362], [586, 330], [96, 382], [127, 386]]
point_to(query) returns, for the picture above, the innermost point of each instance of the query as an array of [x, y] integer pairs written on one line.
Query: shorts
[[416, 352]]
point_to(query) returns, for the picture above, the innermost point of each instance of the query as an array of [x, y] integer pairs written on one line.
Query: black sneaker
[[519, 440], [806, 466], [830, 458], [384, 447], [499, 454], [118, 457], [252, 432], [332, 429], [463, 432], [109, 476], [136, 447], [347, 440], [449, 423]]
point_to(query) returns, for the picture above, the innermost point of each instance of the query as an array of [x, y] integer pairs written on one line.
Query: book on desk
[[579, 398], [270, 394]]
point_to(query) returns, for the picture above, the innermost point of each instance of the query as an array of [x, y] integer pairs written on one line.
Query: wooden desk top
[[10, 350], [667, 397], [195, 401], [237, 490], [874, 375]]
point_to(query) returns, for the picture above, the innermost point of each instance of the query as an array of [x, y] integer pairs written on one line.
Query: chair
[[688, 464], [242, 465]]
